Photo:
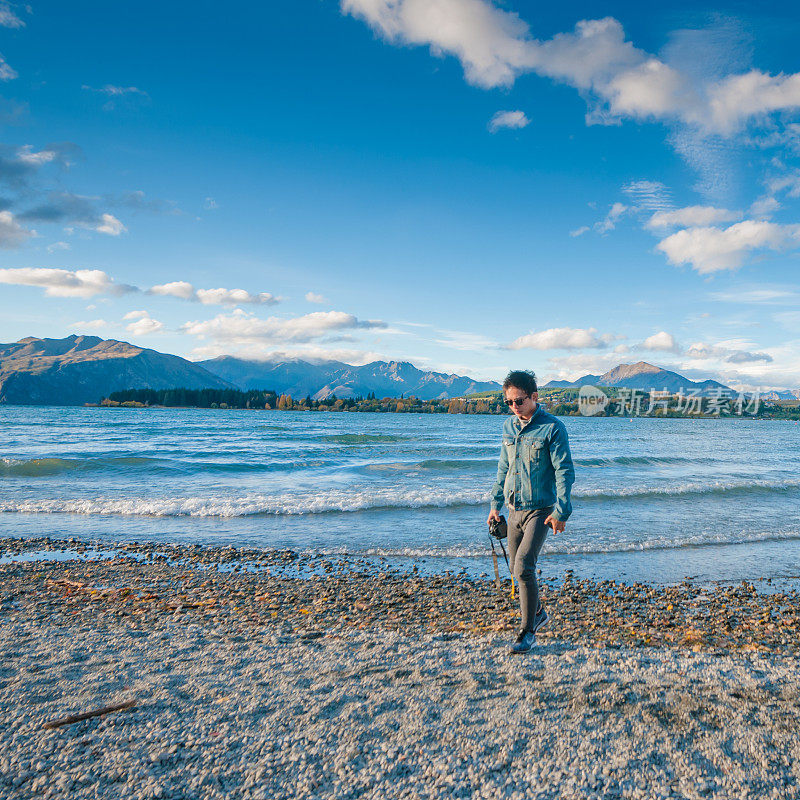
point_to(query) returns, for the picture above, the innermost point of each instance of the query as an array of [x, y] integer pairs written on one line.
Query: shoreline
[[308, 591], [771, 564], [793, 418], [368, 683]]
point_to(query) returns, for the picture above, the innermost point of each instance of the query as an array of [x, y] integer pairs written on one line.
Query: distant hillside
[[643, 376], [784, 394], [385, 379], [84, 369]]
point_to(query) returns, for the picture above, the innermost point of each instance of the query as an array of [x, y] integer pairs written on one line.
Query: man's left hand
[[556, 524]]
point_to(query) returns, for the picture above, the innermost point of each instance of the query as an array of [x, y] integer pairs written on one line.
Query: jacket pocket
[[534, 449]]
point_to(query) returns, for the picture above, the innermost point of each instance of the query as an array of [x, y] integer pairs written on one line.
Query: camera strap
[[496, 569]]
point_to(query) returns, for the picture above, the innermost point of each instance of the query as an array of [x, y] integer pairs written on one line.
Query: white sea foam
[[566, 546], [691, 487], [360, 499], [321, 502]]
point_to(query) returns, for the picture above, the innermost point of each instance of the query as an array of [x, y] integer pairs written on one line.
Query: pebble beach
[[274, 674]]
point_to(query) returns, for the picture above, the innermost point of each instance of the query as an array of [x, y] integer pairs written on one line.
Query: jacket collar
[[522, 425]]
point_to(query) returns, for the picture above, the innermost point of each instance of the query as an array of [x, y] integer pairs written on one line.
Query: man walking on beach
[[534, 478]]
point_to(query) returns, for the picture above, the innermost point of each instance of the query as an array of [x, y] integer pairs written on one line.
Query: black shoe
[[540, 620], [525, 641]]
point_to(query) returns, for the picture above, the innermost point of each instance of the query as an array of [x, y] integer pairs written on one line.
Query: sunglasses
[[517, 401]]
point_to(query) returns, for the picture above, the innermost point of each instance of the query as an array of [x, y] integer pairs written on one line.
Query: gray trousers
[[526, 535]]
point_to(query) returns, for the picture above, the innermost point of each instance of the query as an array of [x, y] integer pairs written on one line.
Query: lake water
[[654, 499]]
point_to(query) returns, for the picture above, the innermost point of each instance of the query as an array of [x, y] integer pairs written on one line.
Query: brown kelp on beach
[[314, 596]]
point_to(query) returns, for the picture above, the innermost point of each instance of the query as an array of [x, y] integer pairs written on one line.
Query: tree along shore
[[561, 402]]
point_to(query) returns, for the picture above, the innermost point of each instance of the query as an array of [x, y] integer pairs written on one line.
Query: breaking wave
[[328, 501], [362, 499]]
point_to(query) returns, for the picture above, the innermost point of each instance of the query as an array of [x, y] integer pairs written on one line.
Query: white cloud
[[116, 91], [12, 234], [64, 283], [210, 297], [27, 155], [231, 297], [651, 89], [783, 371], [209, 204], [508, 119], [618, 79], [731, 352], [120, 96], [8, 19], [52, 248], [764, 207], [562, 339], [649, 195], [136, 314], [313, 297], [491, 44], [464, 340], [7, 72], [789, 183], [311, 353], [613, 216], [90, 325], [776, 294], [588, 58], [579, 231], [715, 158], [721, 361], [576, 365], [740, 357], [110, 225], [494, 46], [692, 217], [738, 97], [243, 328], [180, 289], [710, 250], [661, 341], [145, 325]]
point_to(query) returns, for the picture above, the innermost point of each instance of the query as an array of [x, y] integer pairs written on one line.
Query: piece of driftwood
[[98, 712]]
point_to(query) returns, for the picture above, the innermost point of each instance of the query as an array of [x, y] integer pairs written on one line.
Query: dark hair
[[521, 379]]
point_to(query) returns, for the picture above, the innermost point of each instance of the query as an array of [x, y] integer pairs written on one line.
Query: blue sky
[[468, 185]]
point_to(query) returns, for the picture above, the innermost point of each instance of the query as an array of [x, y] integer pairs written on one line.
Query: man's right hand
[[494, 516]]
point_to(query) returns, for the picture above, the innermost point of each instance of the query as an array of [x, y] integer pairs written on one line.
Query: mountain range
[[84, 369], [644, 376], [384, 378]]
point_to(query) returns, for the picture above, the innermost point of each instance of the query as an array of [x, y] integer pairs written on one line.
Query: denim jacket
[[535, 468]]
